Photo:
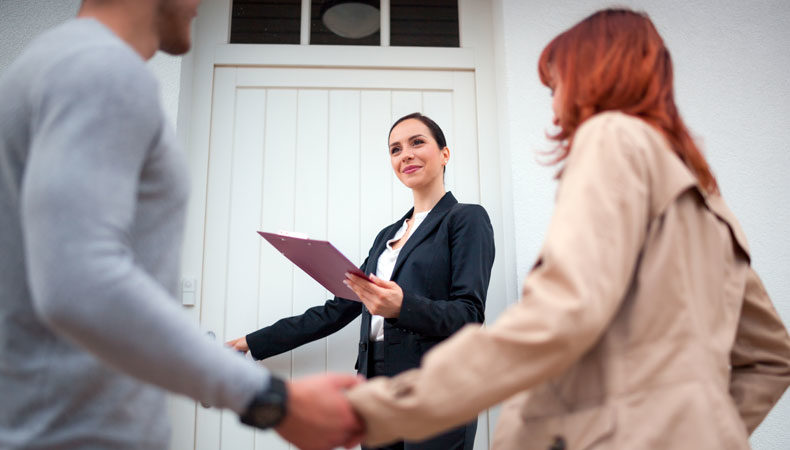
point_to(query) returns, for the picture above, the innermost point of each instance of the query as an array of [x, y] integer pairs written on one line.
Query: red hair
[[616, 60]]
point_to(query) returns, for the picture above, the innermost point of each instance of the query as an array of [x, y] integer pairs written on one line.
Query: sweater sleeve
[[97, 115]]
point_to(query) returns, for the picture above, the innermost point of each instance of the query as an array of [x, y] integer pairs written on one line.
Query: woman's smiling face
[[415, 156]]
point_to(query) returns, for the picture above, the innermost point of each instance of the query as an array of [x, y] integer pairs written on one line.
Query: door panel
[[207, 421], [305, 149], [275, 280], [343, 206], [244, 212]]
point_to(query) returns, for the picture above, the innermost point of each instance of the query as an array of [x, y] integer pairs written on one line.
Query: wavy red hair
[[616, 60]]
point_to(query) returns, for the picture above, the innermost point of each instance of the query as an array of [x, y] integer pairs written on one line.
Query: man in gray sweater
[[92, 200]]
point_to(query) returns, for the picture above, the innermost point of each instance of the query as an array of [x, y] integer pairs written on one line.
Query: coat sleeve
[[760, 356], [568, 300], [315, 323], [472, 250]]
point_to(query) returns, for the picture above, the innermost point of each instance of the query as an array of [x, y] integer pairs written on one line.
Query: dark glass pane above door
[[265, 21], [424, 23]]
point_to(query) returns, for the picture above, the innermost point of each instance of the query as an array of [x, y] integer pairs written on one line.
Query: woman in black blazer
[[430, 273]]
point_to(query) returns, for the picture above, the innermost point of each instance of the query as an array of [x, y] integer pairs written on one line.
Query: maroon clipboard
[[319, 259]]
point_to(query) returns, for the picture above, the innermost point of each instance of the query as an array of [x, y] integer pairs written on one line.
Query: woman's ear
[[446, 155]]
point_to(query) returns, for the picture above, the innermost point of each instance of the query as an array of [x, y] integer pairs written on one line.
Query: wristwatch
[[268, 408]]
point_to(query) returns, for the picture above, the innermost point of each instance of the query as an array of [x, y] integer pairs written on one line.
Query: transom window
[[418, 23]]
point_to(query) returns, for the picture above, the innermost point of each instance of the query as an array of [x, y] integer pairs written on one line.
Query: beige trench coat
[[642, 324]]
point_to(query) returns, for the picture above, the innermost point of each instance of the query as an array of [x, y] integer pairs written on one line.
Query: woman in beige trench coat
[[642, 324]]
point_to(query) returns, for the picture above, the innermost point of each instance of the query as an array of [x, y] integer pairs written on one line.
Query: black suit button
[[558, 444]]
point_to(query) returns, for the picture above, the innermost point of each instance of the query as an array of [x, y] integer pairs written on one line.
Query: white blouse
[[385, 266]]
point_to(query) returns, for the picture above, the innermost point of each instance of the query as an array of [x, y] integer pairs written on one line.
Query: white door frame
[[211, 49]]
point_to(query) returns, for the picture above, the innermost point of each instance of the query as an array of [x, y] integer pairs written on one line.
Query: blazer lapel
[[373, 263], [373, 259], [433, 219]]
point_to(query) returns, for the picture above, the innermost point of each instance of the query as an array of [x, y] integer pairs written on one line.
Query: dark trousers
[[461, 438]]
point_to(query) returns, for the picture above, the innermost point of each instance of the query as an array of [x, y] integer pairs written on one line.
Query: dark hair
[[616, 60], [436, 132]]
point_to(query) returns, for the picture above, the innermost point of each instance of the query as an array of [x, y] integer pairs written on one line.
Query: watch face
[[266, 415], [268, 407]]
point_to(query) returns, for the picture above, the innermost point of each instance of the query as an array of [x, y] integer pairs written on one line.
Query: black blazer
[[443, 269]]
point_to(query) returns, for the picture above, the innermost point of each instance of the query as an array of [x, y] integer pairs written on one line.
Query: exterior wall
[[731, 65], [23, 20]]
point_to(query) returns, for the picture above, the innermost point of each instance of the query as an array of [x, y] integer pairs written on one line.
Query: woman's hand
[[240, 345], [382, 298]]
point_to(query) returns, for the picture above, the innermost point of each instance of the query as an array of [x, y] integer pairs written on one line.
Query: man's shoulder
[[82, 54]]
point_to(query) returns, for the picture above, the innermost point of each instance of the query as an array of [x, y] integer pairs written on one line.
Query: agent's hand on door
[[382, 298], [240, 345], [319, 417]]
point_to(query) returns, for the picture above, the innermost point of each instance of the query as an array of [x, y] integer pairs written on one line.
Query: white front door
[[305, 149]]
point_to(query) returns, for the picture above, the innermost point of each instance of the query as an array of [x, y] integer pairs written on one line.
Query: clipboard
[[319, 259]]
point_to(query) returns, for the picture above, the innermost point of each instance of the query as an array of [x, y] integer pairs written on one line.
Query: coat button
[[558, 444]]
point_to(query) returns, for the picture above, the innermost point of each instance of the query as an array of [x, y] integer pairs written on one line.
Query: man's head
[[174, 20], [147, 25]]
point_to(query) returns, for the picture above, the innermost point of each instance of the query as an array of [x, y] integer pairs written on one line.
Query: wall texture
[[23, 20], [731, 65]]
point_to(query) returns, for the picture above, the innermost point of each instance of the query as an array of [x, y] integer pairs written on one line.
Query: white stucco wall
[[22, 20], [732, 85]]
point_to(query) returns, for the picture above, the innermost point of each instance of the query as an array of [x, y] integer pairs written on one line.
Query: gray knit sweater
[[93, 194]]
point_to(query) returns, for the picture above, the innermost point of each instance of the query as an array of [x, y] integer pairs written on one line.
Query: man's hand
[[382, 298], [240, 344], [319, 416]]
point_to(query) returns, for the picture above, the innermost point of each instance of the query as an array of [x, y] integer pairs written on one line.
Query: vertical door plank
[[403, 102], [467, 181], [181, 413], [276, 272], [473, 154], [375, 186], [244, 244], [208, 432], [343, 216], [310, 214], [438, 105]]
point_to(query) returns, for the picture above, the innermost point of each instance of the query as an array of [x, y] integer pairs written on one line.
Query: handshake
[[317, 414]]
